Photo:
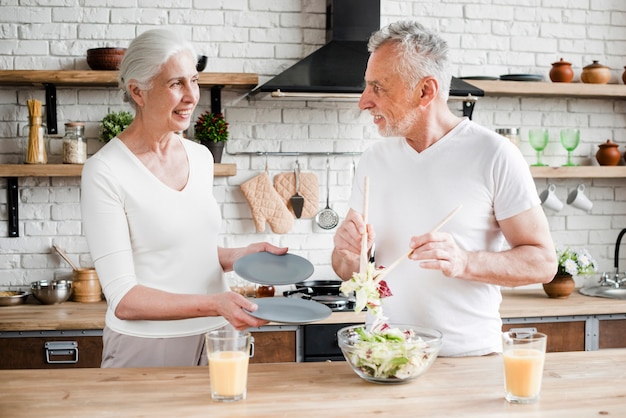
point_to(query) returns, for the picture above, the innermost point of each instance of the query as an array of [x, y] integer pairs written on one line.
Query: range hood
[[336, 70]]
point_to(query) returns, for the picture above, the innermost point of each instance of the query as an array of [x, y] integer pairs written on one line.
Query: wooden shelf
[[549, 89], [109, 78], [578, 172], [74, 170]]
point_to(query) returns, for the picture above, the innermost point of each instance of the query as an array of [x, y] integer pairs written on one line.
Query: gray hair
[[424, 53], [145, 56]]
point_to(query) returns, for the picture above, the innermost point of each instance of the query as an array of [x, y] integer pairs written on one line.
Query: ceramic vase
[[216, 148], [596, 73], [561, 72], [608, 153], [561, 286]]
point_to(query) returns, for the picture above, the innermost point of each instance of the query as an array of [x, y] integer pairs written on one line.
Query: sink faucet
[[616, 281]]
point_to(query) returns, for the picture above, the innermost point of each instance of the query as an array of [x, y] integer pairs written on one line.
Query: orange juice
[[228, 371], [523, 369]]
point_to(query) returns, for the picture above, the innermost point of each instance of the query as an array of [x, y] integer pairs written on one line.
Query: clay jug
[[86, 285], [608, 154], [561, 72], [596, 73]]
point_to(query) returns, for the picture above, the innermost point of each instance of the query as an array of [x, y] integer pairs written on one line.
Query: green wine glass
[[570, 138], [538, 139]]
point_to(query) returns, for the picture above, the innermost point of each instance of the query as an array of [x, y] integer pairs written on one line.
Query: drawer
[[50, 349]]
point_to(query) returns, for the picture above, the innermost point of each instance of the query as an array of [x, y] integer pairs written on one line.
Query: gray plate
[[521, 77], [290, 310], [267, 268]]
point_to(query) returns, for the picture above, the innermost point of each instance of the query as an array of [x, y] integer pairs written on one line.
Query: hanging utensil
[[66, 258], [297, 201], [327, 218]]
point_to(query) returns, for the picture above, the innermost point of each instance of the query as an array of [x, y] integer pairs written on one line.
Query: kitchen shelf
[[549, 89], [578, 172], [74, 170], [78, 78], [50, 79]]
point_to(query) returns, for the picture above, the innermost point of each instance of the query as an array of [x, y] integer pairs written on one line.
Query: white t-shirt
[[140, 231], [410, 192]]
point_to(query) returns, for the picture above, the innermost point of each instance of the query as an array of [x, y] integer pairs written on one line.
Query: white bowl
[[390, 361]]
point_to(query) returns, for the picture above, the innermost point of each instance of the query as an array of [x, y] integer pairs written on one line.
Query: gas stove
[[336, 303]]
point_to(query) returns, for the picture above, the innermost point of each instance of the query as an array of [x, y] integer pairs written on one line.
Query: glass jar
[[36, 146], [74, 145]]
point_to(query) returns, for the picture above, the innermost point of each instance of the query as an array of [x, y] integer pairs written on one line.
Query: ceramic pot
[[608, 154], [216, 148], [86, 285], [560, 287], [596, 73], [561, 72]]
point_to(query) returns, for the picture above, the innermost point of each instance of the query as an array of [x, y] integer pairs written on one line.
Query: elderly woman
[[152, 222]]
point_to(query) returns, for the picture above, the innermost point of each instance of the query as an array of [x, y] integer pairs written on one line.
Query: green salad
[[389, 353]]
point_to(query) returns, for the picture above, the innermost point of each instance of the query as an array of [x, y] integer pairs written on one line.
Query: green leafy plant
[[113, 124], [211, 127], [575, 262]]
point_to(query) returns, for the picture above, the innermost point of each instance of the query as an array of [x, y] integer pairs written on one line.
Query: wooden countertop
[[516, 304], [575, 384]]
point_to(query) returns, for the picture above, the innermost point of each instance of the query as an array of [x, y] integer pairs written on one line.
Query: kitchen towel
[[285, 185], [267, 205]]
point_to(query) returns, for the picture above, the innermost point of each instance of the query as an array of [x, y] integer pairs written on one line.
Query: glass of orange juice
[[524, 354], [228, 352]]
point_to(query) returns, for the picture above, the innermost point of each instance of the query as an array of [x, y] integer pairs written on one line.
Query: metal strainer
[[327, 218]]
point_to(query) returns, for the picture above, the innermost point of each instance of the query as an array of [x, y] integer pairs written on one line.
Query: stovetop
[[336, 303]]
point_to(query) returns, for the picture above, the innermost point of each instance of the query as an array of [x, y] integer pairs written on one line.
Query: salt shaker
[[74, 145]]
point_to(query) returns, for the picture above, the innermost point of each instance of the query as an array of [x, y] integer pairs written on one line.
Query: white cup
[[549, 198], [578, 199]]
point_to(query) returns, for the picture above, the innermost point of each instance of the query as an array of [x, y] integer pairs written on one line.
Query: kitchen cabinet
[[612, 331], [78, 349], [566, 335], [275, 344], [50, 349]]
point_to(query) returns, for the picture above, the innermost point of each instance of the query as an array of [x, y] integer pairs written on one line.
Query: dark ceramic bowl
[[105, 59]]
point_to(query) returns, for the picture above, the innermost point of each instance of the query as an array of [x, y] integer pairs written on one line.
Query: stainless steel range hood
[[336, 70]]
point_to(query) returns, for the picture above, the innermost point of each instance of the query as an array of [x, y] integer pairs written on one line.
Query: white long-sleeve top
[[140, 231]]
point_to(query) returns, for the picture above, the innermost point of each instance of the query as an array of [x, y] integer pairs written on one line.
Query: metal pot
[[316, 287]]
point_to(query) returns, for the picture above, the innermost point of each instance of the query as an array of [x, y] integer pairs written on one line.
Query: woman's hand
[[231, 306], [228, 256]]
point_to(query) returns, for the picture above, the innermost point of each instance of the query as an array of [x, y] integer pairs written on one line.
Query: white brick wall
[[266, 36]]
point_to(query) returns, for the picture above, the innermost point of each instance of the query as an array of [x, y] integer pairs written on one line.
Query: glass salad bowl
[[397, 354]]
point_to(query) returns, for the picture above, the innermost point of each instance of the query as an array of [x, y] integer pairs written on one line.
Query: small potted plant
[[211, 130], [572, 262], [114, 123]]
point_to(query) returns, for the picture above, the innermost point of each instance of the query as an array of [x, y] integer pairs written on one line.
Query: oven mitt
[[266, 205], [285, 185]]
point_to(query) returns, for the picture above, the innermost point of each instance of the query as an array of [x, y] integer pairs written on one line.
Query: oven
[[320, 342]]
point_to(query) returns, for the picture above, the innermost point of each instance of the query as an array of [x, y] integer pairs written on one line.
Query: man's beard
[[402, 128]]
